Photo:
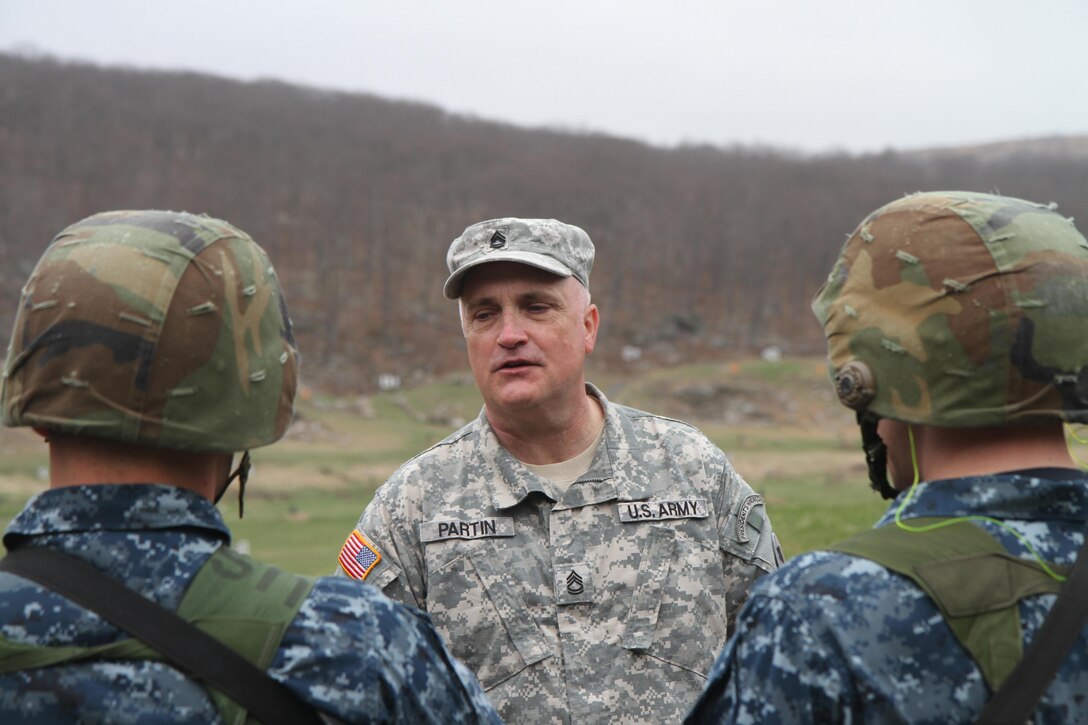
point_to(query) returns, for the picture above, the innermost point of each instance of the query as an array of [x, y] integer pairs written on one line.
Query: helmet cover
[[960, 309], [153, 327]]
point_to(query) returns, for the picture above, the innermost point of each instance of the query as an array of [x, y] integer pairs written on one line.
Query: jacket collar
[[510, 482]]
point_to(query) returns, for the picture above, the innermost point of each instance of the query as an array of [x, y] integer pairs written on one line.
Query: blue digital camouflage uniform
[[350, 652], [835, 638], [606, 602]]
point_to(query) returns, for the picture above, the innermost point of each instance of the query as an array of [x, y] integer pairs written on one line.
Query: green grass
[[783, 371], [301, 532], [731, 440], [810, 513], [455, 397]]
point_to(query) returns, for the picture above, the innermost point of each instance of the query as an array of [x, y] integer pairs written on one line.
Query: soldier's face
[[528, 333]]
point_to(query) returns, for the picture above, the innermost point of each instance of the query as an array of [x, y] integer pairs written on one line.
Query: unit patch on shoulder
[[683, 508], [748, 516], [358, 556]]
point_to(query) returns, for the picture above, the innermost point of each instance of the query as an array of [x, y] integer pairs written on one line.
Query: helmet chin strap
[[242, 474], [876, 455]]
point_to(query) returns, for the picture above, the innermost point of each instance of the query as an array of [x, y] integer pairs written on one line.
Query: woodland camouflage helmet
[[158, 328], [960, 309]]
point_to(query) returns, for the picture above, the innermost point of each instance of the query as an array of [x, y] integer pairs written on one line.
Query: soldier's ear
[[592, 322], [43, 433]]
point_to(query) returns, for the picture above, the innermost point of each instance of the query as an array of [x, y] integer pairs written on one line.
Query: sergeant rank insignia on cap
[[358, 556]]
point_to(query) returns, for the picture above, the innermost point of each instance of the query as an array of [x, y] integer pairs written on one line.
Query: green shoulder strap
[[245, 604], [974, 582]]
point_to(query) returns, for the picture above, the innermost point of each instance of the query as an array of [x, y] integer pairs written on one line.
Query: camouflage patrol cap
[[960, 309], [562, 249], [152, 327]]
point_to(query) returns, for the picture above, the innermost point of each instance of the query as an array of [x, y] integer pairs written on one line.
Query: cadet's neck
[[958, 452], [541, 441], [76, 460]]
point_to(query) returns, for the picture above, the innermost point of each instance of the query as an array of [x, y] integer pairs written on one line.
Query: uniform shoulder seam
[[636, 413], [452, 439]]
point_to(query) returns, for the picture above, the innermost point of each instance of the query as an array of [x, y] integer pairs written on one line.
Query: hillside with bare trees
[[702, 251]]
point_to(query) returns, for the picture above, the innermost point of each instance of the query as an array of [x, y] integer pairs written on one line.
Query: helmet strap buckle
[[242, 474], [876, 455]]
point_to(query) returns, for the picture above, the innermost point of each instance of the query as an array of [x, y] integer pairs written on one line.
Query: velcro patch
[[358, 556], [681, 508], [744, 512], [475, 529], [573, 584]]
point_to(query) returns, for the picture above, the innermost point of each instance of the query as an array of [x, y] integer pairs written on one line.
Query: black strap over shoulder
[[188, 648], [1025, 685]]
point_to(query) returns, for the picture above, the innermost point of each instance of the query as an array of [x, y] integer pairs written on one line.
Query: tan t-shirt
[[564, 473]]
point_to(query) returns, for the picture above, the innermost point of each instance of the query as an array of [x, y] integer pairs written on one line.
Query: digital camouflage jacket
[[837, 638], [603, 603], [349, 651]]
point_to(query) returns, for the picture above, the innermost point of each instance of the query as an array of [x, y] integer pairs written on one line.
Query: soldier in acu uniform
[[957, 328], [149, 348], [583, 558]]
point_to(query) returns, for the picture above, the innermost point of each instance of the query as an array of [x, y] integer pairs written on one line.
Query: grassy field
[[777, 422]]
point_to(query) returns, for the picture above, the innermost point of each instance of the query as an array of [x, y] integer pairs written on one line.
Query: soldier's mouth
[[515, 365]]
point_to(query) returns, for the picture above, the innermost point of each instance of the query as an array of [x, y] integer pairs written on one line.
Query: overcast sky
[[808, 75]]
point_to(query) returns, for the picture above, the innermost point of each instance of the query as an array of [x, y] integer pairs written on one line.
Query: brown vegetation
[[700, 250]]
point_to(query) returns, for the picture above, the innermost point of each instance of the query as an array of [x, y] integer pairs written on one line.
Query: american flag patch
[[358, 556]]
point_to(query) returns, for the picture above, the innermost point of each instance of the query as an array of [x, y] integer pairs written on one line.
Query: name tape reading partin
[[475, 529]]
